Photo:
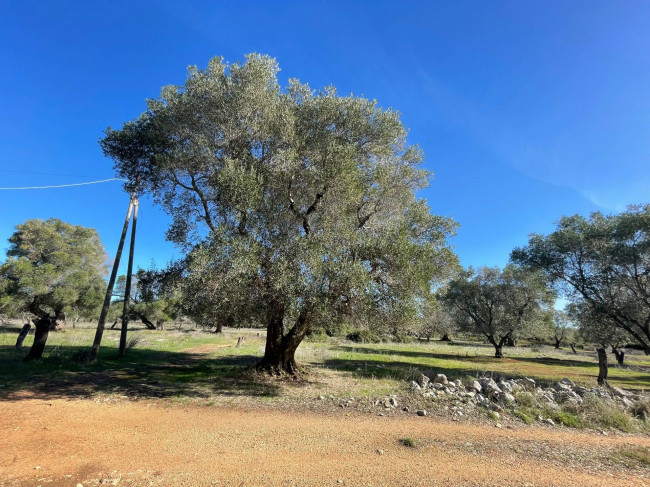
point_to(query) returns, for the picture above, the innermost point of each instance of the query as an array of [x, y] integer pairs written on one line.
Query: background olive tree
[[499, 305], [602, 264], [299, 202], [52, 268]]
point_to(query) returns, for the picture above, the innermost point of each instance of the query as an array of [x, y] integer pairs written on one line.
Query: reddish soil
[[141, 443]]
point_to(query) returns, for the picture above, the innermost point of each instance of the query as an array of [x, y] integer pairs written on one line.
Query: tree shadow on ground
[[381, 363], [476, 359], [142, 373]]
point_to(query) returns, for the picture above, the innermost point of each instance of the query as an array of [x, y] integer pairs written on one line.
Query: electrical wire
[[65, 185]]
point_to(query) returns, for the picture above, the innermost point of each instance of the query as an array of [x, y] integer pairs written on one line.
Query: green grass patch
[[408, 442]]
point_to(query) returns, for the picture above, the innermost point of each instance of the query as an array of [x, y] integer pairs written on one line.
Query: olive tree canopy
[[603, 265], [500, 305], [52, 268], [295, 204]]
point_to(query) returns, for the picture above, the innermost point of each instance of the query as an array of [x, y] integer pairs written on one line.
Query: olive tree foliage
[[563, 327], [157, 297], [603, 265], [298, 205], [437, 319], [596, 329], [53, 268], [499, 305]]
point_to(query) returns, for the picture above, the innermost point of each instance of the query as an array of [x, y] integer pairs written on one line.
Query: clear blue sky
[[526, 111]]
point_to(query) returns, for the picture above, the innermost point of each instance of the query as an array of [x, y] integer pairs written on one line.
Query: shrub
[[597, 411], [364, 336], [526, 418], [567, 419], [525, 398], [408, 442], [641, 409]]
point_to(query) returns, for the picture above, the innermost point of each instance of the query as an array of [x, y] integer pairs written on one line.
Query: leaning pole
[[111, 283], [127, 290]]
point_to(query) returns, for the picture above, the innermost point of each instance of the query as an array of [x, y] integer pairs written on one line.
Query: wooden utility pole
[[127, 291], [111, 283]]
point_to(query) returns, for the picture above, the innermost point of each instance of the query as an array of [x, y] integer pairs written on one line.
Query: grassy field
[[191, 363]]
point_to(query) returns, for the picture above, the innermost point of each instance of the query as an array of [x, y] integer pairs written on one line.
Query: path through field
[[70, 442]]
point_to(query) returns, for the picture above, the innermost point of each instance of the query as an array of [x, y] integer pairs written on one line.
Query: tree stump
[[21, 336]]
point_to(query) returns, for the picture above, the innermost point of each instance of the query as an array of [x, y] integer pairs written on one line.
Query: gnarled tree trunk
[[445, 338], [619, 354], [43, 326], [21, 336], [557, 342], [602, 366], [280, 351], [573, 347]]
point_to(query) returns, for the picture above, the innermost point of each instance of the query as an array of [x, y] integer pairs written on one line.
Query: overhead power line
[[66, 185]]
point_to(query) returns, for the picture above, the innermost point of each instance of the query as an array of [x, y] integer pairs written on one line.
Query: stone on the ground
[[568, 382], [421, 412], [507, 397], [549, 421], [415, 386], [475, 386], [527, 383], [504, 386], [423, 380], [440, 379], [393, 402], [619, 392]]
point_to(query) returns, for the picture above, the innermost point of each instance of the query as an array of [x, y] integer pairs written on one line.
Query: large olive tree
[[299, 202], [52, 268]]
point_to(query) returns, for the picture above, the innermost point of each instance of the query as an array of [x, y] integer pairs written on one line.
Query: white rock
[[568, 382], [423, 380], [507, 398], [440, 379]]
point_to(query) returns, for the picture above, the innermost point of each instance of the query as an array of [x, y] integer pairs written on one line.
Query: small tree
[[562, 327], [499, 305], [436, 320], [299, 202], [52, 268]]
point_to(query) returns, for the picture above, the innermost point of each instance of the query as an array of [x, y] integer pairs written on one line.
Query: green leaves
[[54, 266], [603, 265], [297, 198]]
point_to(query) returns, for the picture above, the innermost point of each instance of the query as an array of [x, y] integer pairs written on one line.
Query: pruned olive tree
[[299, 201], [500, 305], [603, 265], [52, 268]]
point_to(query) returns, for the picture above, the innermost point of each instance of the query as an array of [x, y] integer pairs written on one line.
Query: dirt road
[[70, 442]]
